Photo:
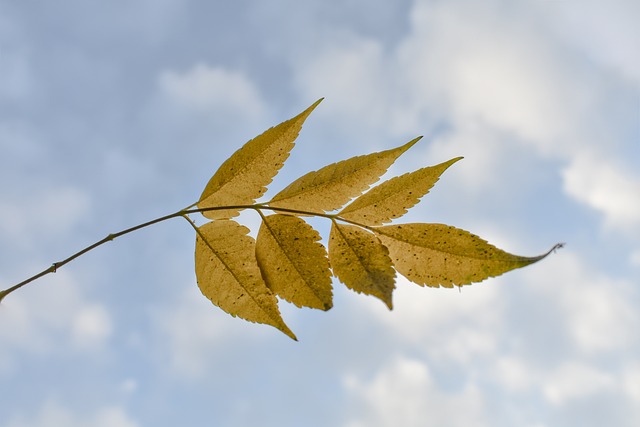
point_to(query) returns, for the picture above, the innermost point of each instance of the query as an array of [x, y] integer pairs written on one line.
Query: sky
[[115, 113]]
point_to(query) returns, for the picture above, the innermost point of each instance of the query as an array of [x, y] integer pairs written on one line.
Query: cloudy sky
[[114, 113]]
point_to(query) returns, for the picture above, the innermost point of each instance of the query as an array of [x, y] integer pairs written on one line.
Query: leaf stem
[[260, 207], [184, 213]]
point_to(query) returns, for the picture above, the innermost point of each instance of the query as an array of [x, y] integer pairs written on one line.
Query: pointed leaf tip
[[417, 138], [244, 176], [403, 148], [394, 197], [309, 110], [411, 143], [330, 187]]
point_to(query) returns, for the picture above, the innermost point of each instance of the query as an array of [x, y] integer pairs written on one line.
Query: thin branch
[[56, 265]]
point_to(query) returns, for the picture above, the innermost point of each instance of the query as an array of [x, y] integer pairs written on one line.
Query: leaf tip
[[291, 335], [552, 250], [312, 107], [446, 165], [412, 143], [532, 260], [449, 163], [403, 148], [556, 247], [282, 327]]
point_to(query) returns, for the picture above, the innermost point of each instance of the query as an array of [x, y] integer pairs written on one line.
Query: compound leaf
[[392, 198], [244, 276], [331, 187], [361, 262], [294, 264], [229, 276], [442, 255], [243, 177]]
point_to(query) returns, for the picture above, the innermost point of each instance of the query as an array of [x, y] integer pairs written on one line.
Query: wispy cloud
[[52, 414], [406, 393], [57, 317], [210, 89]]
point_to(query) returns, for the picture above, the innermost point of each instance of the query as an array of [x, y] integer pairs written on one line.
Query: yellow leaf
[[441, 255], [392, 198], [243, 178], [293, 262], [361, 262], [331, 187], [229, 276]]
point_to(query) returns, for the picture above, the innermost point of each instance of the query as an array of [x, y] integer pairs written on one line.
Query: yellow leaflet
[[392, 198], [293, 262], [361, 262], [331, 187], [441, 255], [243, 178], [229, 276]]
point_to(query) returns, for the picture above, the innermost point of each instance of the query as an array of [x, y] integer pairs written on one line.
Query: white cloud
[[575, 381], [496, 83], [192, 330], [514, 374], [205, 88], [631, 381], [592, 317], [606, 31], [52, 414], [474, 64], [597, 312], [54, 316], [595, 315], [559, 384], [91, 326], [406, 394], [461, 61], [349, 70], [129, 386], [113, 417], [605, 187], [450, 325], [484, 151], [469, 64]]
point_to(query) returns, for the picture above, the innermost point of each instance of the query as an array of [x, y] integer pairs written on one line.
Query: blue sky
[[114, 113]]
